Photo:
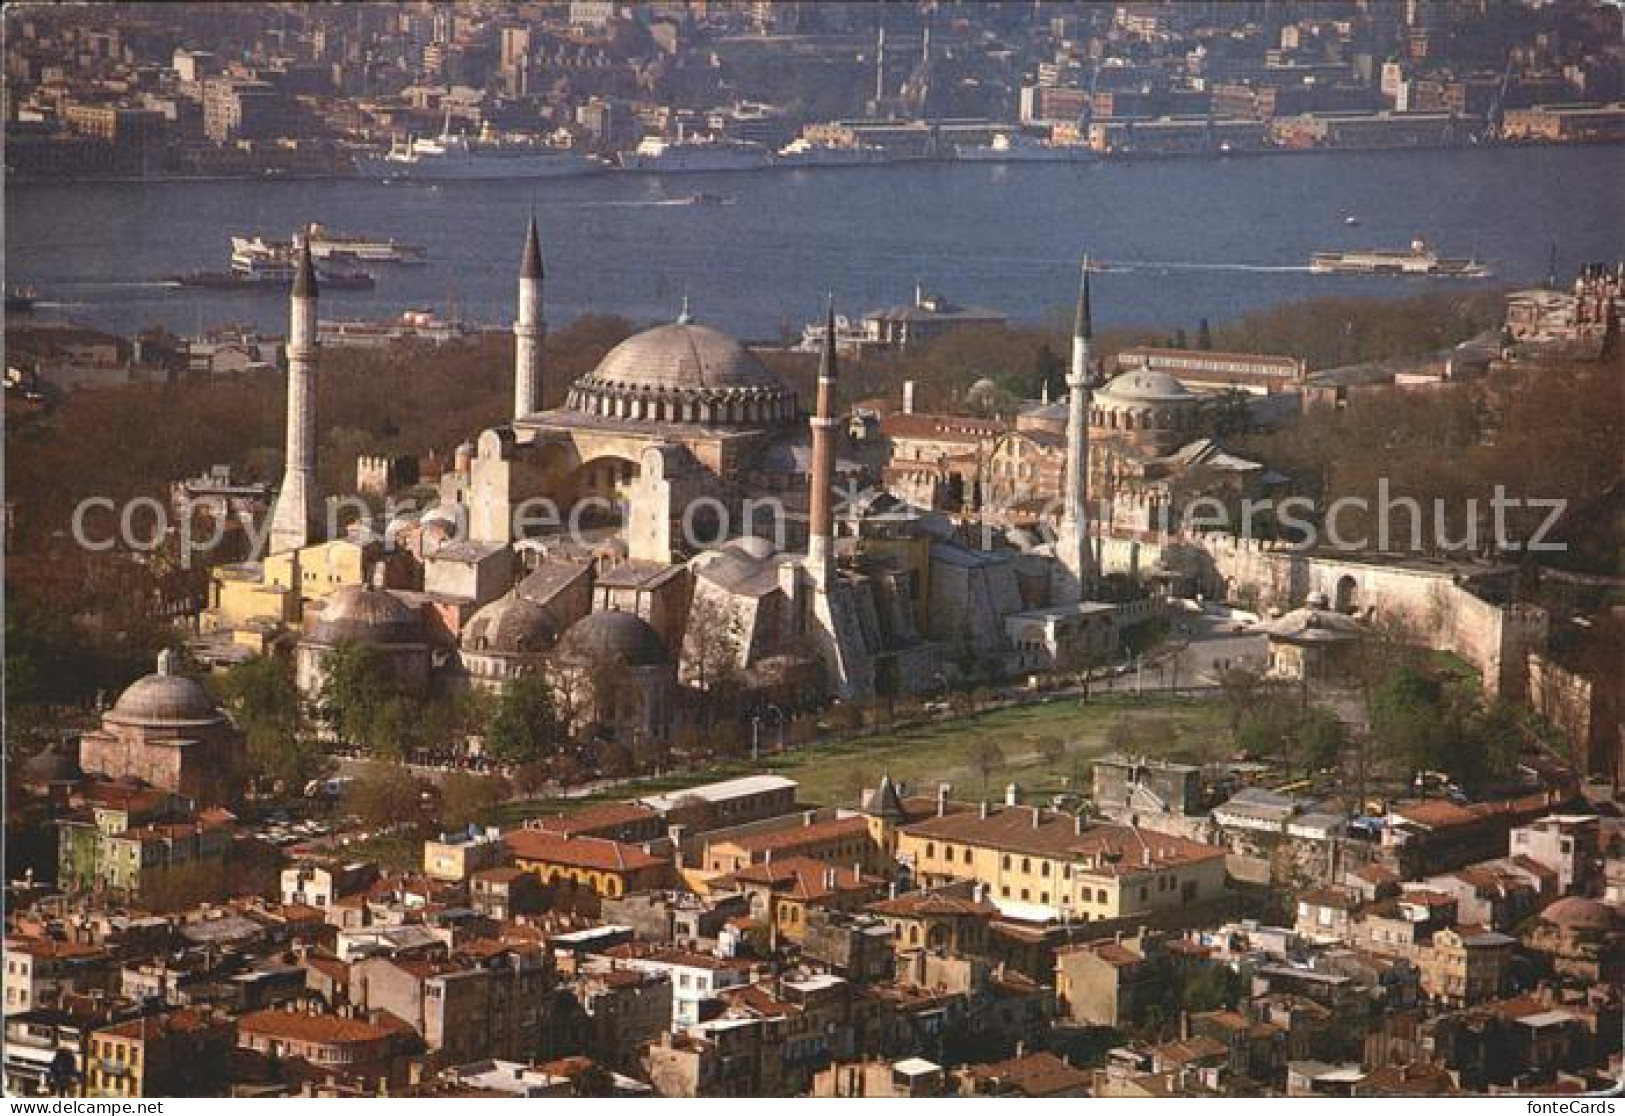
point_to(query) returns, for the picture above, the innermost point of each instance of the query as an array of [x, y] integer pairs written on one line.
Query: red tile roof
[[596, 820], [1115, 850], [802, 834], [802, 877], [595, 853], [301, 1026]]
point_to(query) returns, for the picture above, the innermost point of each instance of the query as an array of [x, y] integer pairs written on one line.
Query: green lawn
[[831, 771]]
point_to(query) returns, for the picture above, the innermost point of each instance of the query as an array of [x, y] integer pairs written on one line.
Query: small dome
[[165, 698], [511, 625], [363, 614], [1575, 913], [1144, 387], [683, 356], [54, 763], [615, 637]]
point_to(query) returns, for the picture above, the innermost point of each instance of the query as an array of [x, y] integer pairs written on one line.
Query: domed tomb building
[[167, 731], [507, 639], [614, 672]]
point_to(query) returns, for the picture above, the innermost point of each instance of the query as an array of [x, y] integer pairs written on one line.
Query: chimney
[[983, 810], [1012, 795], [942, 799], [908, 397], [808, 817], [1145, 857], [1077, 825], [829, 879], [1038, 816]]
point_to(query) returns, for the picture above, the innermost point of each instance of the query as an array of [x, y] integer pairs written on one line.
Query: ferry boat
[[1013, 147], [257, 264], [329, 247], [850, 336], [20, 299], [690, 155], [325, 244], [449, 156], [802, 152], [412, 325], [1418, 260]]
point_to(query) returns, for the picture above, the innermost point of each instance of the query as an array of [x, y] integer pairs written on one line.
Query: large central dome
[[683, 372]]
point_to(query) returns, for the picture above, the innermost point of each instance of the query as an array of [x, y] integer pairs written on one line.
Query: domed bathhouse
[[167, 731], [369, 616]]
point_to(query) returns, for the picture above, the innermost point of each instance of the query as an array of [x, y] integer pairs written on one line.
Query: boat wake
[[114, 284], [1192, 265]]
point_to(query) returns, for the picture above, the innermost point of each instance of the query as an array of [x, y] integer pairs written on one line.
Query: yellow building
[[842, 841], [597, 864], [155, 1056], [783, 891], [255, 599], [1042, 864]]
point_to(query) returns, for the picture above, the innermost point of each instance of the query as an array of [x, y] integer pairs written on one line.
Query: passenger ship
[[1419, 260]]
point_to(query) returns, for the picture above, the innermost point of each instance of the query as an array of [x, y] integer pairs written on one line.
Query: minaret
[[296, 502], [528, 329], [1072, 536], [820, 518]]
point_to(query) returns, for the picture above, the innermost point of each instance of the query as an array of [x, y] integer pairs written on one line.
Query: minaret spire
[[529, 328], [820, 518], [1072, 533], [1083, 324], [296, 502]]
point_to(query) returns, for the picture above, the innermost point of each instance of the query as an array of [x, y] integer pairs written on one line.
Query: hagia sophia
[[959, 545], [685, 429]]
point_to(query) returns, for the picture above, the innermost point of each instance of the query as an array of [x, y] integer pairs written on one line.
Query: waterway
[[1180, 239]]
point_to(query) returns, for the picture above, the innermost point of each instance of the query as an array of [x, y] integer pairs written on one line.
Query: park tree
[[1319, 739], [1143, 733], [466, 798], [986, 757], [1050, 749], [525, 724], [357, 686], [384, 794], [264, 701]]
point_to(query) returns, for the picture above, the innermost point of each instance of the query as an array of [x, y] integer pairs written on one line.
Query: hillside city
[[290, 89], [932, 702]]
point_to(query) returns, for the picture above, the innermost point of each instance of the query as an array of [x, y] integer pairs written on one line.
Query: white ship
[[684, 155], [1013, 147], [412, 325], [1419, 260], [803, 152], [850, 336], [327, 246], [449, 156]]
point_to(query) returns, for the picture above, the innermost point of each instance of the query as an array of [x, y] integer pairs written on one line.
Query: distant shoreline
[[13, 179]]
